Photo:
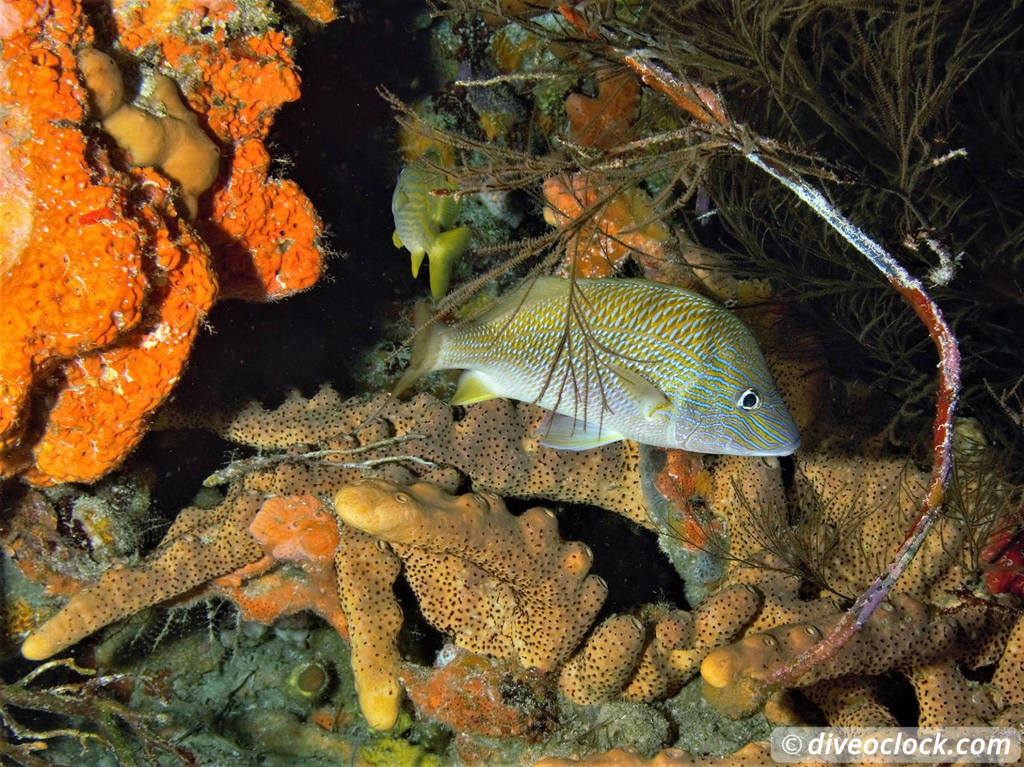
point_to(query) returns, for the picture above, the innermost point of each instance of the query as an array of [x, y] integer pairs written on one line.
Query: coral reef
[[391, 520], [604, 664], [494, 443], [509, 588], [105, 287], [78, 698]]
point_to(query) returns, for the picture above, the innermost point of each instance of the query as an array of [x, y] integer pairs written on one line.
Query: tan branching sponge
[[366, 576], [500, 584], [201, 545]]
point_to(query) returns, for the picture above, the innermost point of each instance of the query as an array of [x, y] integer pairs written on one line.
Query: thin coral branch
[[238, 469], [942, 430], [703, 104]]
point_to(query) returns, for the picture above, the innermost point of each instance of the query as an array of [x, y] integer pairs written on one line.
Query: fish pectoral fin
[[564, 432], [445, 248], [446, 209], [651, 400], [473, 387]]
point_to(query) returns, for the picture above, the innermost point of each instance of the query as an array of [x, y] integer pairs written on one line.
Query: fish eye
[[749, 400]]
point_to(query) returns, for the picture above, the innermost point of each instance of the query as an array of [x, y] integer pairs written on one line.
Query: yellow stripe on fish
[[618, 359]]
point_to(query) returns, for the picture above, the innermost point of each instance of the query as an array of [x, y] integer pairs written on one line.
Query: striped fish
[[617, 359], [423, 222]]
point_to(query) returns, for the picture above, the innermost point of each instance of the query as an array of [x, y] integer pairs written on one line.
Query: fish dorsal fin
[[649, 398], [538, 289], [564, 432], [473, 387]]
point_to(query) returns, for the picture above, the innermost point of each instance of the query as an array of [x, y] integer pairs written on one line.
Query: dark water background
[[338, 142]]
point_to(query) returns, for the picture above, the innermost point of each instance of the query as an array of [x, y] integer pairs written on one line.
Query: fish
[[423, 223], [616, 359]]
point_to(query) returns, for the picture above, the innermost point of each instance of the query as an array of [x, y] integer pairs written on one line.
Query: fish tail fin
[[445, 248], [426, 345]]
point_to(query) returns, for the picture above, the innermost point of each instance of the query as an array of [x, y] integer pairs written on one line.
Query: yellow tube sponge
[[366, 575], [901, 631], [501, 585], [603, 666]]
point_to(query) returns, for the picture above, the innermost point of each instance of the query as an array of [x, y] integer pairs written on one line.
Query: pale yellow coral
[[366, 576], [657, 676], [870, 503], [946, 699], [602, 667], [651, 658], [851, 701], [719, 619], [172, 142], [904, 633]]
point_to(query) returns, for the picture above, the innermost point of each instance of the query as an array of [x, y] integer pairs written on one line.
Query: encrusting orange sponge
[[604, 122], [263, 231], [609, 226], [100, 300], [104, 286]]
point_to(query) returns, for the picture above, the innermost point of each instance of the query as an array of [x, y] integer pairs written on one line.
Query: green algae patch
[[701, 730], [396, 752]]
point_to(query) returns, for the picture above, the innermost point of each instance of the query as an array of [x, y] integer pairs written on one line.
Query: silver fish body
[[618, 359]]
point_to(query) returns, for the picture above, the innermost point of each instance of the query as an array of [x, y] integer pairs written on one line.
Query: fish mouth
[[779, 451], [782, 450], [698, 441]]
